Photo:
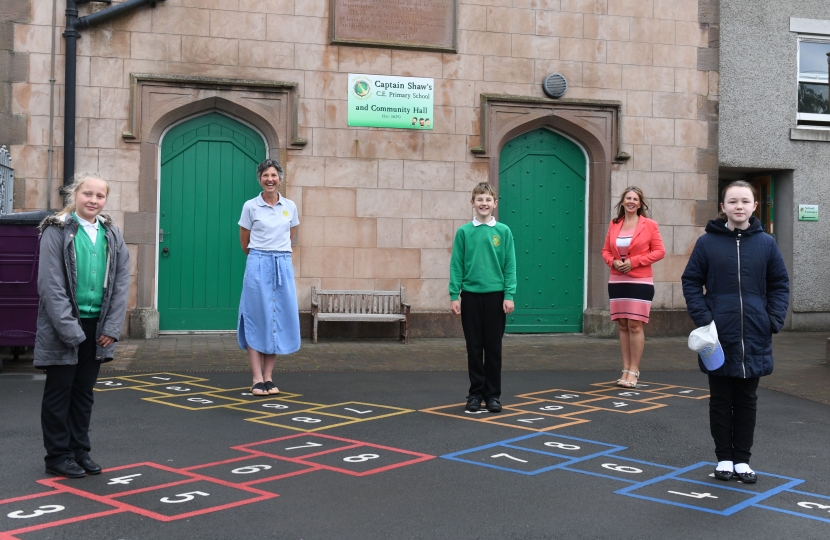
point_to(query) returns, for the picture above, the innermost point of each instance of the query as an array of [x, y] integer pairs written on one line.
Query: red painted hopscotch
[[167, 494]]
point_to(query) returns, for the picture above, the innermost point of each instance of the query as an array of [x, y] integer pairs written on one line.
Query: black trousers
[[732, 410], [66, 409], [483, 320]]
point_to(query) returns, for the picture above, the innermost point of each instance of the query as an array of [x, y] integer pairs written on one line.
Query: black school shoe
[[723, 475], [89, 466], [473, 404], [746, 478], [68, 469], [493, 405]]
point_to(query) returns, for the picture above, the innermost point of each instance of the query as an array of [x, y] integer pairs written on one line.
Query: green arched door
[[542, 199], [208, 170]]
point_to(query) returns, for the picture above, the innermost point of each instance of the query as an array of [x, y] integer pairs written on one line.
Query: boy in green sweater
[[483, 270]]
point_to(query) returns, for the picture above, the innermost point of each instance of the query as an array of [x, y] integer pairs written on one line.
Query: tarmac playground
[[394, 455]]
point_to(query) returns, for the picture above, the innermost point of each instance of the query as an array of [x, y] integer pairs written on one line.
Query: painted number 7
[[185, 497], [508, 456]]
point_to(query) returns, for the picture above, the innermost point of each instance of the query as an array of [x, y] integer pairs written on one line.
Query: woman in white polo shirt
[[269, 321]]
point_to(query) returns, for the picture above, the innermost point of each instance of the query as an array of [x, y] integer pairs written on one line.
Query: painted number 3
[[48, 509], [361, 458]]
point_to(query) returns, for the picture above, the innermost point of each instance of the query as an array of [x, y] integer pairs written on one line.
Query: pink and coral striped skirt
[[630, 297]]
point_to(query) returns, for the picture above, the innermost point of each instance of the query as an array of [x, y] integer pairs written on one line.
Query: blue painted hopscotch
[[692, 487]]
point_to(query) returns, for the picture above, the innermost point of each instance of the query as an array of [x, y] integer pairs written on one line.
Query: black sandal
[[272, 388], [261, 387]]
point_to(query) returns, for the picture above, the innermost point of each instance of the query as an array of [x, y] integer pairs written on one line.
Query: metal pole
[[71, 36]]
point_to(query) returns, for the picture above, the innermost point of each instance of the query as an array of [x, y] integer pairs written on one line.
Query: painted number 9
[[621, 468], [361, 458]]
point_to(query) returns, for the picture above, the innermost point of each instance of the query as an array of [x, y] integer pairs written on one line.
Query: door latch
[[161, 236]]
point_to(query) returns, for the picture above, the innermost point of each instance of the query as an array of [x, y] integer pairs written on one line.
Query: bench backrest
[[369, 302]]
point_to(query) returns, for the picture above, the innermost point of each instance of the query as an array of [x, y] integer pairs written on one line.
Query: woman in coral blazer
[[632, 245]]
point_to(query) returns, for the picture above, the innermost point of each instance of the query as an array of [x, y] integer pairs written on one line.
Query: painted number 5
[[48, 509], [189, 496]]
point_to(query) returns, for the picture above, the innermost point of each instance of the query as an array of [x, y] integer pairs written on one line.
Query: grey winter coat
[[59, 331]]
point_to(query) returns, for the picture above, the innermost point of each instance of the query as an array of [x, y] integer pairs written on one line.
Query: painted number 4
[[184, 497]]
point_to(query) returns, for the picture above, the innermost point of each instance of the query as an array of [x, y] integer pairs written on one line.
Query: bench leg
[[314, 330], [404, 331]]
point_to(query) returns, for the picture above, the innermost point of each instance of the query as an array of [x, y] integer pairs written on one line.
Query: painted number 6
[[250, 469], [48, 509], [361, 458], [184, 497], [621, 468]]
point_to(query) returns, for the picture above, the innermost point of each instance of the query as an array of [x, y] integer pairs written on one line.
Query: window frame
[[809, 117]]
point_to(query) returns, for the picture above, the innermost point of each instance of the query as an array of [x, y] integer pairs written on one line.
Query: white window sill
[[810, 133]]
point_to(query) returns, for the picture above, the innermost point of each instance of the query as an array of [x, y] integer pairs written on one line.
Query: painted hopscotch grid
[[692, 487], [167, 494], [279, 410], [555, 408]]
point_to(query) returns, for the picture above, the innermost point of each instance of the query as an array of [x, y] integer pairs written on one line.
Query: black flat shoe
[[746, 478], [90, 466], [473, 404], [493, 405], [68, 469], [723, 475]]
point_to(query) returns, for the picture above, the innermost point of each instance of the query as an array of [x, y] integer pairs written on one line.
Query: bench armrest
[[405, 308]]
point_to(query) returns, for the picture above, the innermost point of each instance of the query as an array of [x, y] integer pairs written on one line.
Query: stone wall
[[379, 207], [13, 69]]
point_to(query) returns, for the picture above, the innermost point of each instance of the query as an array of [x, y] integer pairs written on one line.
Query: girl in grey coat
[[83, 284]]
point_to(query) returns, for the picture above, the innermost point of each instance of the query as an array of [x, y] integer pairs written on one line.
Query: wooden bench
[[363, 306]]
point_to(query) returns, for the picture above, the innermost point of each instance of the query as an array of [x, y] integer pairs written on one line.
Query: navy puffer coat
[[747, 294]]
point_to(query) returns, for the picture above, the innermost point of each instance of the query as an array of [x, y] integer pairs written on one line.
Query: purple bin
[[19, 251]]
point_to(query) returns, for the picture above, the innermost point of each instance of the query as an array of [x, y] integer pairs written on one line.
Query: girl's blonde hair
[[71, 190], [642, 211]]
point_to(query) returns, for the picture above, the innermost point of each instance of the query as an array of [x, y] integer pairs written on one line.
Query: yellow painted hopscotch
[[280, 410], [556, 408]]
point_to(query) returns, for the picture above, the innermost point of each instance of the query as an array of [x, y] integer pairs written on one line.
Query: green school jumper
[[91, 267], [483, 260]]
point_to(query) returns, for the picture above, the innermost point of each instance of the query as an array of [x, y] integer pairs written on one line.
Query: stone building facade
[[774, 55], [379, 207]]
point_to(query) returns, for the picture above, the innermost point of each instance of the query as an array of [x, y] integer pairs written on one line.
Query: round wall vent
[[555, 85]]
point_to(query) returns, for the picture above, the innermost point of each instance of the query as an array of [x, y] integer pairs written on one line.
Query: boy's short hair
[[483, 187]]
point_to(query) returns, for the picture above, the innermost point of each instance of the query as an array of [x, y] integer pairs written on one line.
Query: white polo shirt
[[270, 226]]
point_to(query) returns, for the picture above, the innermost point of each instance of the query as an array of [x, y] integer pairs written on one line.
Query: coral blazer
[[646, 247]]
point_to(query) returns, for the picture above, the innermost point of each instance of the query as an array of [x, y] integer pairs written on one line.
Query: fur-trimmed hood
[[60, 221]]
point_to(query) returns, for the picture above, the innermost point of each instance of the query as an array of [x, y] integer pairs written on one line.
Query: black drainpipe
[[73, 26]]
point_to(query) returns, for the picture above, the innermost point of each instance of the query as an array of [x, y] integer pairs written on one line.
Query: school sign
[[390, 102]]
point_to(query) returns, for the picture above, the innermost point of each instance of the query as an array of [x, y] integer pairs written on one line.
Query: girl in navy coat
[[747, 291]]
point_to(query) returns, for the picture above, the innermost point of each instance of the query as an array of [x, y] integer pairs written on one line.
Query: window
[[813, 95]]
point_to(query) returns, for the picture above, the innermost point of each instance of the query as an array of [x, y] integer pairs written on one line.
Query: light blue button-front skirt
[[269, 321]]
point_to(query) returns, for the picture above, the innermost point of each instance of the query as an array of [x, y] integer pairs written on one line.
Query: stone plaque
[[400, 24]]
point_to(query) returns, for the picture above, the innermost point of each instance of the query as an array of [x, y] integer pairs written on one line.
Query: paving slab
[[392, 454]]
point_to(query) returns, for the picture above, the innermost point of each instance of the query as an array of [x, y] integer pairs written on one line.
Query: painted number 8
[[621, 468], [563, 446], [361, 458], [306, 419]]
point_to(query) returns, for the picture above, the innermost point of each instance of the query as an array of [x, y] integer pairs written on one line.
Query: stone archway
[[158, 102], [594, 125]]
